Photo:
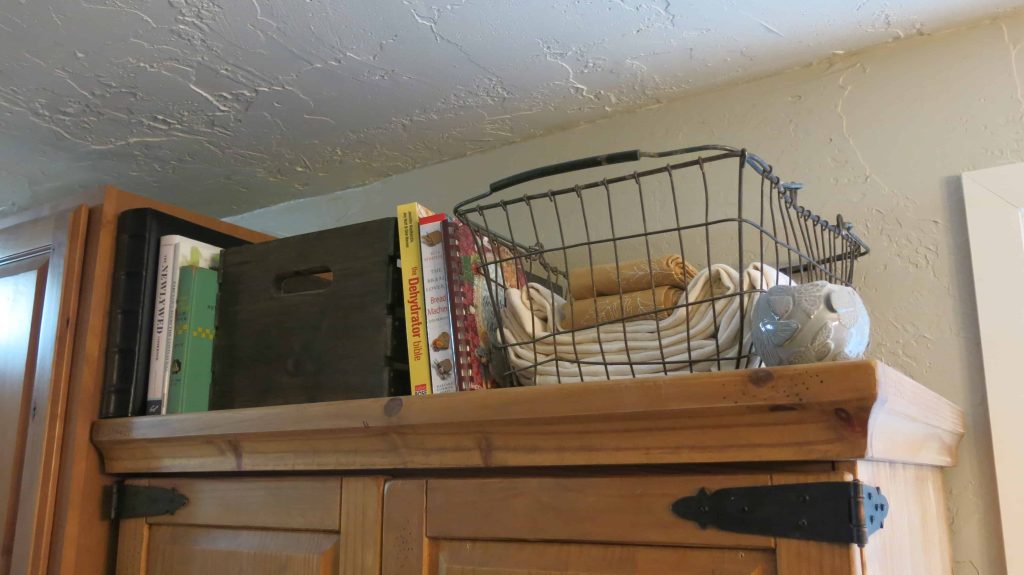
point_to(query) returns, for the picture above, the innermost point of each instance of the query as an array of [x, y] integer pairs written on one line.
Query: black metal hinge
[[124, 501], [835, 512]]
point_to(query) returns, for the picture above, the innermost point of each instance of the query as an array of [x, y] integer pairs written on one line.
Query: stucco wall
[[880, 136]]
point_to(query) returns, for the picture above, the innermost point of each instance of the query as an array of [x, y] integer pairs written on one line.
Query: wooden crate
[[310, 318]]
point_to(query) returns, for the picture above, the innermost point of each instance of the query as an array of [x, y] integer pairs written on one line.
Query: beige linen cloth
[[688, 335], [631, 276]]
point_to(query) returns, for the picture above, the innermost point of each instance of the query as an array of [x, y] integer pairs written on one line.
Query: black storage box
[[315, 317]]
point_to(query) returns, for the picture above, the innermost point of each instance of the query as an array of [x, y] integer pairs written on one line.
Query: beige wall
[[880, 136]]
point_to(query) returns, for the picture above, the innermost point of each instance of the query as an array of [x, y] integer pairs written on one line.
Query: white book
[[175, 252], [441, 343]]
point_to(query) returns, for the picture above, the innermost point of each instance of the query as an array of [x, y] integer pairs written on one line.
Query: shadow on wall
[[980, 438]]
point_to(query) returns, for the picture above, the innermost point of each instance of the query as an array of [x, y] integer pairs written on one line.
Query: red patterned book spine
[[458, 261], [478, 284]]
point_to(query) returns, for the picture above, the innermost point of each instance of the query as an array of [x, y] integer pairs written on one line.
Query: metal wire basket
[[714, 207]]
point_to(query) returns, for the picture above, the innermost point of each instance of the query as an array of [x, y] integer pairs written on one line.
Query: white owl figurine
[[809, 323]]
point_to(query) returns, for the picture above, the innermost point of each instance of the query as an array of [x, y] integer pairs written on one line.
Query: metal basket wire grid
[[718, 208]]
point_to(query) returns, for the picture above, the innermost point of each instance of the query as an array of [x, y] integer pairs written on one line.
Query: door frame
[[994, 205], [59, 238]]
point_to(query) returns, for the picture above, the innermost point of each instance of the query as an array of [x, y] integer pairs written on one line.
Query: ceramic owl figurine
[[809, 323]]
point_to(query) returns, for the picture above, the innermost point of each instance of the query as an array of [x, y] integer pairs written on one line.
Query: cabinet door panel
[[586, 526], [598, 509], [251, 526], [300, 503], [184, 550], [509, 558]]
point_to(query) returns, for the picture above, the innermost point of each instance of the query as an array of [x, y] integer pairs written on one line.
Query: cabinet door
[[258, 526], [40, 268], [579, 525]]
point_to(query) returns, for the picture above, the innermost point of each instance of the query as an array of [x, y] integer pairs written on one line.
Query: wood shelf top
[[820, 412]]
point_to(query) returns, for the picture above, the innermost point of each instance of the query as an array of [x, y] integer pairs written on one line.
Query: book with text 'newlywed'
[[132, 293], [175, 252]]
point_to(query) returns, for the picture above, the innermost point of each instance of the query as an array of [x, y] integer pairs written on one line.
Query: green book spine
[[192, 351]]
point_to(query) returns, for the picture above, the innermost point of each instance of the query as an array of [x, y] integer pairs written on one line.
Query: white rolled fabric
[[545, 355]]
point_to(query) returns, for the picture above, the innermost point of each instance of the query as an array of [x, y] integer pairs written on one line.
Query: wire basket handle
[[565, 167], [755, 162]]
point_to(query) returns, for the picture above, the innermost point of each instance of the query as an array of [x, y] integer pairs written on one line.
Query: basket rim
[[787, 190]]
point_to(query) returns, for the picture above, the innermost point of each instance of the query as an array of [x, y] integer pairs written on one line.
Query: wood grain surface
[[404, 544], [331, 341], [238, 525], [362, 514], [634, 510], [916, 536], [263, 503], [821, 412], [523, 558]]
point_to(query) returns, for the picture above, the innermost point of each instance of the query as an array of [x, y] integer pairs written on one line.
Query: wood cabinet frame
[[389, 457]]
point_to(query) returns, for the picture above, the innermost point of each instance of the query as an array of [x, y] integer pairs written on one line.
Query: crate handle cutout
[[309, 280]]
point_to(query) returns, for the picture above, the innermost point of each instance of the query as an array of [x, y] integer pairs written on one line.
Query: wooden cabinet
[[577, 478], [551, 479], [593, 522]]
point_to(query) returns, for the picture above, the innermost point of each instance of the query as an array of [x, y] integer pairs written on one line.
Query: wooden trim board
[[404, 537], [49, 393], [916, 536], [822, 412], [361, 525]]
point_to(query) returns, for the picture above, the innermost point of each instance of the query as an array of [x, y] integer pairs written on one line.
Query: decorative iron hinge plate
[[836, 512], [125, 501]]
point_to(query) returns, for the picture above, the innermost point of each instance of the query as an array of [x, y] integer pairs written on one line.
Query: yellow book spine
[[412, 289]]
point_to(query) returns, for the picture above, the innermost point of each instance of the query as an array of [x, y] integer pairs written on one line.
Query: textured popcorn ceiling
[[228, 105]]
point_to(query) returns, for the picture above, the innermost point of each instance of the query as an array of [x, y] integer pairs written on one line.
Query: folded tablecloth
[[705, 327]]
